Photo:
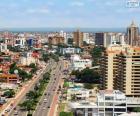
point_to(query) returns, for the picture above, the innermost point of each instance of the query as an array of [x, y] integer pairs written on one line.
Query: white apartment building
[[3, 47], [63, 34], [108, 103], [20, 41], [77, 63], [27, 59], [88, 38], [111, 103], [70, 50], [114, 39]]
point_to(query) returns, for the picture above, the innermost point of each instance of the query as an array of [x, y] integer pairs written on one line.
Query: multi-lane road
[[28, 87], [45, 104]]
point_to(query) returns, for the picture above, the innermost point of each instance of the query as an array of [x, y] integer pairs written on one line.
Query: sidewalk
[[53, 111]]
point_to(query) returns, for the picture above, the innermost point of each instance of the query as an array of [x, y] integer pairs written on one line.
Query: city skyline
[[74, 13]]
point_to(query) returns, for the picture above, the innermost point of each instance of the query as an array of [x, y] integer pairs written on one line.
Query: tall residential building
[[99, 39], [107, 39], [133, 35], [55, 40], [120, 69], [78, 38]]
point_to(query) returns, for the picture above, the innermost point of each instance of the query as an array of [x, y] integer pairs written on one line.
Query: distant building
[[20, 41], [3, 47], [88, 38], [27, 59], [55, 40], [64, 35], [70, 50], [99, 39], [78, 38], [107, 39], [133, 35]]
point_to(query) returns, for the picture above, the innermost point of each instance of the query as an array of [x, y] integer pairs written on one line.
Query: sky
[[67, 13]]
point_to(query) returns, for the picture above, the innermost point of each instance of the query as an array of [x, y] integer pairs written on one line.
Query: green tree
[[45, 57], [32, 65], [88, 86], [87, 76], [66, 114], [32, 95], [13, 67], [9, 93], [96, 53], [137, 109], [28, 105]]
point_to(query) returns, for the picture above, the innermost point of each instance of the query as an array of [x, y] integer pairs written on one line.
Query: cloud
[[128, 10], [41, 10], [77, 3]]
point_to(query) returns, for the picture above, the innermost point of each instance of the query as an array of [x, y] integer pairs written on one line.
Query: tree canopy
[[9, 93], [96, 53], [87, 76], [66, 114]]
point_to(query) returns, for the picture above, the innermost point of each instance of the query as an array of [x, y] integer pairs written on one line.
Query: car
[[48, 106], [8, 110], [16, 113], [44, 108], [45, 100]]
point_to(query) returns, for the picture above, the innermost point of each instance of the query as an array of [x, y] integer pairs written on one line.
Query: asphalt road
[[47, 99], [50, 65]]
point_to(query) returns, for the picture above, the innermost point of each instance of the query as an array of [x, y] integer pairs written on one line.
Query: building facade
[[78, 38], [108, 103], [120, 69], [77, 63], [133, 35]]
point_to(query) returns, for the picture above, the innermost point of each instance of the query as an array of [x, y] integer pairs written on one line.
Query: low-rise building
[[9, 78], [70, 50], [77, 63], [79, 93], [108, 103]]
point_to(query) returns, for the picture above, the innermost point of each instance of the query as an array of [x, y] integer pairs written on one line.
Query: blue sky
[[67, 13]]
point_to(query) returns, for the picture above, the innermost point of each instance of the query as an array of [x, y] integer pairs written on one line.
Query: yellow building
[[120, 69], [78, 38]]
